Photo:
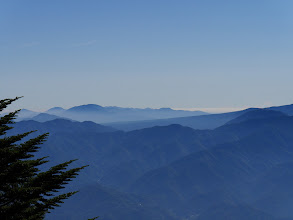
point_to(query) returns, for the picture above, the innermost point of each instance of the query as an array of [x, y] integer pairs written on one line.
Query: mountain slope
[[196, 122], [60, 125], [286, 109], [211, 121], [256, 114], [179, 169], [273, 191], [108, 204], [43, 117], [234, 211], [55, 111], [229, 168]]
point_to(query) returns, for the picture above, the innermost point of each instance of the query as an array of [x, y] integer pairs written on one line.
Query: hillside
[[177, 171], [60, 125], [196, 122]]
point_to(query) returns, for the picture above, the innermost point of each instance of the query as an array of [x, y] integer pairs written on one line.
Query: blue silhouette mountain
[[241, 168]]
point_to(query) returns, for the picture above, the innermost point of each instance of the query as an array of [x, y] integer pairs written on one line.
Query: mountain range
[[99, 114], [128, 119], [210, 121], [240, 169]]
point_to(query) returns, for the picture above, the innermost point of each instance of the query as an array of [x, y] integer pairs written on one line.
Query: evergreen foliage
[[25, 191]]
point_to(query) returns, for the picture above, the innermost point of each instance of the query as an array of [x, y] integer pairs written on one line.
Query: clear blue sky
[[147, 53]]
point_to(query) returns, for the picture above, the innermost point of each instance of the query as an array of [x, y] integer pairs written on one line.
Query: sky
[[183, 54]]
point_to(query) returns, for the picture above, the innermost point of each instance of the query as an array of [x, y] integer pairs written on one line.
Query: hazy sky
[[147, 53]]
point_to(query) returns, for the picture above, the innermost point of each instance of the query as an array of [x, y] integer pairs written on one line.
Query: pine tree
[[25, 191]]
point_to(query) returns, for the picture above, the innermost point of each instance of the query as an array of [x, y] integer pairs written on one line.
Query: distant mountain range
[[210, 121], [128, 119], [243, 169], [99, 114]]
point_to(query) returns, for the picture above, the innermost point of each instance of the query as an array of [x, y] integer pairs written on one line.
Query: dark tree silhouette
[[25, 191]]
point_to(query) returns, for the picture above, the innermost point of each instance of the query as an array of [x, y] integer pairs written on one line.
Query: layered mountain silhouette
[[43, 117], [55, 111], [60, 126], [26, 114], [242, 169], [210, 121], [100, 114], [128, 119]]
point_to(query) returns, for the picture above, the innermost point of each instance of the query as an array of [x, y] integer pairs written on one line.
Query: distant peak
[[56, 108], [25, 110], [91, 105], [87, 107]]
